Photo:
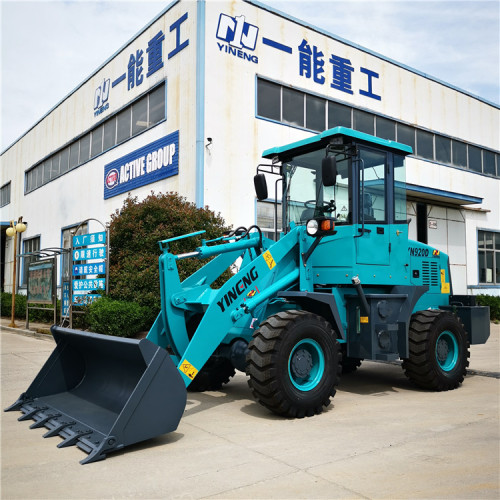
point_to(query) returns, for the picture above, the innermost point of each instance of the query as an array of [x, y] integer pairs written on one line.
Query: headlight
[[312, 227]]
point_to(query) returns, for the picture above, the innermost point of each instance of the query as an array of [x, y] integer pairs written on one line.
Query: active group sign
[[153, 162]]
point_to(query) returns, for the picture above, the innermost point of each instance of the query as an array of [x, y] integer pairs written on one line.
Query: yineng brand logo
[[240, 37], [101, 96], [238, 289]]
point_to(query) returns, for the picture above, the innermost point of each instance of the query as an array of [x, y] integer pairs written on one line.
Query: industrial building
[[192, 101]]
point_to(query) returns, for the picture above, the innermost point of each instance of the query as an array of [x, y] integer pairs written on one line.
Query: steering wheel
[[327, 206]]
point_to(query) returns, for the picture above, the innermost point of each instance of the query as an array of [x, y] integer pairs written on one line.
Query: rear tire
[[293, 364], [439, 350]]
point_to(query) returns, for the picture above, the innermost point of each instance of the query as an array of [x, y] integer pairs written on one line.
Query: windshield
[[305, 195]]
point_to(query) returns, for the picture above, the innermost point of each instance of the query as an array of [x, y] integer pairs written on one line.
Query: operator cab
[[340, 174]]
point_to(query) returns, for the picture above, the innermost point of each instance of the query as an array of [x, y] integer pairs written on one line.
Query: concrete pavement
[[380, 438]]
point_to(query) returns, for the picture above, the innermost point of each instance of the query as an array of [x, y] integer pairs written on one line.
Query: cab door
[[372, 243]]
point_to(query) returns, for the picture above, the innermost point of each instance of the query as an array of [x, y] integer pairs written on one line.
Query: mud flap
[[103, 393]]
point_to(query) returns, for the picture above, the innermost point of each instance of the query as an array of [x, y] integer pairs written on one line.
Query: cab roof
[[321, 140]]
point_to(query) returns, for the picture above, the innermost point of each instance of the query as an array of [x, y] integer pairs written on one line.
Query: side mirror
[[260, 184], [329, 171]]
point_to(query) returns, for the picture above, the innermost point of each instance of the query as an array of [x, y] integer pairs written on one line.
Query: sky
[[49, 47]]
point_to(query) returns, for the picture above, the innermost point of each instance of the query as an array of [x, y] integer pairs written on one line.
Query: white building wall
[[238, 137], [79, 194]]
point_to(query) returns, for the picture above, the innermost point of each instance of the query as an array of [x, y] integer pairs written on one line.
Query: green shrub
[[493, 302], [35, 314], [116, 317], [135, 231], [20, 311]]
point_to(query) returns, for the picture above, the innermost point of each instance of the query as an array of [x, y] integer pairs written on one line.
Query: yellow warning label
[[445, 287], [269, 259], [363, 319], [188, 369]]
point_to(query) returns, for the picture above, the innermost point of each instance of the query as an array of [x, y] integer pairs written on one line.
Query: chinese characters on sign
[[142, 63], [311, 64], [86, 276], [153, 56], [237, 37], [40, 285]]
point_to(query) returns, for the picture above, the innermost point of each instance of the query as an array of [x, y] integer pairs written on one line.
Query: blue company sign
[[153, 162], [84, 269], [85, 299], [65, 298], [83, 240], [89, 284], [238, 38], [89, 254]]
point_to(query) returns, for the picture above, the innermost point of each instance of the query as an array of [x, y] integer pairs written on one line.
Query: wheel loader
[[340, 284]]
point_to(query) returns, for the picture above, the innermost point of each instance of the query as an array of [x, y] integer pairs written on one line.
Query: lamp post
[[12, 231]]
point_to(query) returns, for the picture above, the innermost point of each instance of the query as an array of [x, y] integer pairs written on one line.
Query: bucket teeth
[[58, 426], [71, 437], [103, 393], [29, 411], [42, 418]]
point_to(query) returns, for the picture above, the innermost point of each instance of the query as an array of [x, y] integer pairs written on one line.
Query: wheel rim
[[447, 351], [306, 365]]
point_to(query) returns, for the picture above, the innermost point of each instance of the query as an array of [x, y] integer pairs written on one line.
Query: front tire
[[439, 350], [215, 373], [293, 364]]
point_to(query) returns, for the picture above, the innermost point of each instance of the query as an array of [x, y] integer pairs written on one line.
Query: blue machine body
[[341, 283], [374, 248]]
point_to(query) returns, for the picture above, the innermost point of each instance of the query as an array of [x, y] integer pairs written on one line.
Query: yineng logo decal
[[239, 37], [101, 96]]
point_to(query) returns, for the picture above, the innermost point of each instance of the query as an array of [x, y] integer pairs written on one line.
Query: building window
[[425, 145], [157, 105], [5, 195], [474, 154], [406, 135], [363, 122], [29, 246], [443, 149], [291, 106], [489, 163], [96, 145], [109, 134], [84, 148], [339, 115], [140, 115], [123, 125], [386, 129], [488, 244], [315, 113], [269, 100], [459, 154]]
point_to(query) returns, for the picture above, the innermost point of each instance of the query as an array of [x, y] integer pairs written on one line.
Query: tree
[[135, 231]]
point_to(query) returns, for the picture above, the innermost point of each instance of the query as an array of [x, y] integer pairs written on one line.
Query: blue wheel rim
[[447, 351], [306, 365]]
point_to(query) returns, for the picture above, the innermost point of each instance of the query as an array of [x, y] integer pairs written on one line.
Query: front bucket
[[103, 393]]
